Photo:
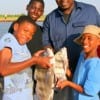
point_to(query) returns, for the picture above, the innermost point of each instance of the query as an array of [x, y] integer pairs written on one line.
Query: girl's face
[[24, 31], [35, 10], [90, 43]]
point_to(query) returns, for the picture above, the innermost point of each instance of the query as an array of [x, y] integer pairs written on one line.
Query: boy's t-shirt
[[87, 75]]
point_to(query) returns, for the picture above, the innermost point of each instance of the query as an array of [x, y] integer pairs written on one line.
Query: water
[[4, 26]]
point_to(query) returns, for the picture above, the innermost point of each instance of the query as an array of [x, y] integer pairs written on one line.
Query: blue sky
[[19, 6]]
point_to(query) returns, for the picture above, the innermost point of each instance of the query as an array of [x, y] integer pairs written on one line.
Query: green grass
[[8, 17], [14, 17]]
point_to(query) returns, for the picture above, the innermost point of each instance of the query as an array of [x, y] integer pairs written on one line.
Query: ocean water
[[4, 26]]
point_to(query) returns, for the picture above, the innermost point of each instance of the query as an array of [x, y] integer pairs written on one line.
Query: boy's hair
[[41, 1]]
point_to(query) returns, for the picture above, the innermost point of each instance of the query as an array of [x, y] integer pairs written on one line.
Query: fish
[[46, 79]]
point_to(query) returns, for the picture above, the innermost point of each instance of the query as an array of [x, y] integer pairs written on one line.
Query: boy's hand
[[62, 84], [69, 73]]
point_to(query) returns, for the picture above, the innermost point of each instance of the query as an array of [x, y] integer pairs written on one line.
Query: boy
[[86, 80], [35, 10], [18, 59]]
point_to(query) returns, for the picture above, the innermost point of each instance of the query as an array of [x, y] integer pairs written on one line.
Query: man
[[65, 23]]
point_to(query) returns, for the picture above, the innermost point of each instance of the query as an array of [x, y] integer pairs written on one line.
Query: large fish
[[46, 78]]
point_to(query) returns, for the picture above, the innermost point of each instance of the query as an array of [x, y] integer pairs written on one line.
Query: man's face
[[65, 4], [35, 10]]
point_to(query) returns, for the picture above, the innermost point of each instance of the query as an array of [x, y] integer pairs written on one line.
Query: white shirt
[[17, 86]]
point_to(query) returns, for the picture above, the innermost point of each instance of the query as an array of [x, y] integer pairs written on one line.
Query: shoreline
[[6, 20], [11, 18]]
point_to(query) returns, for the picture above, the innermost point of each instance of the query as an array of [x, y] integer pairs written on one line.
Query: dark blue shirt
[[58, 34]]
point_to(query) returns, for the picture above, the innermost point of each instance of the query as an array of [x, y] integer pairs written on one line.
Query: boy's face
[[24, 32], [35, 10], [90, 42]]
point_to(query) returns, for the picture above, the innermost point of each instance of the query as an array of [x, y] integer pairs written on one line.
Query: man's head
[[35, 9], [24, 29], [65, 5]]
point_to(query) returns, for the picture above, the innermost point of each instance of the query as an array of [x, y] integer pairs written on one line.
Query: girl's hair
[[24, 18], [41, 1], [21, 19]]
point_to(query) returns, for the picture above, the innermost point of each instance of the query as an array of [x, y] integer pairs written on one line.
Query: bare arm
[[7, 67], [76, 87], [69, 73], [61, 84]]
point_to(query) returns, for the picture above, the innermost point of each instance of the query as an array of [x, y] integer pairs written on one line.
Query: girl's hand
[[39, 53], [44, 62]]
